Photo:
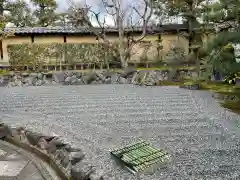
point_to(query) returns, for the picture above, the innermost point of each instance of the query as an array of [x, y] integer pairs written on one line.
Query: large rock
[[62, 156], [59, 77], [122, 80], [76, 157], [100, 76], [68, 80], [115, 78], [82, 171], [128, 72], [3, 81], [39, 82], [40, 76], [151, 79], [33, 137], [30, 80], [56, 141], [4, 131], [88, 78], [43, 144], [97, 175]]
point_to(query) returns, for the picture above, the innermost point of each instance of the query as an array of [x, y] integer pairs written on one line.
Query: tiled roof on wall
[[84, 30]]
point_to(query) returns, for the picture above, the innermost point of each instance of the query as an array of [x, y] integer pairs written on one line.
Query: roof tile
[[46, 30]]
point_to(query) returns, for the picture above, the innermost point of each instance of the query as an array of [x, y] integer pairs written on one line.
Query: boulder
[[134, 78], [11, 84], [100, 76], [4, 131], [151, 79], [56, 141], [3, 81], [79, 82], [67, 81], [89, 78], [108, 80], [128, 72], [72, 148], [82, 171], [78, 74], [40, 76], [43, 144], [62, 156], [33, 74], [33, 137], [58, 77], [115, 78], [39, 82], [122, 80], [73, 80], [76, 157], [18, 82], [97, 175], [30, 80]]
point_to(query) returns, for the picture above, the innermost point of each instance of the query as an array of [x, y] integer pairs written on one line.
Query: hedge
[[41, 54]]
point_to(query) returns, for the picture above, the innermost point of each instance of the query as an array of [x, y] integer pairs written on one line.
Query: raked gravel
[[202, 137]]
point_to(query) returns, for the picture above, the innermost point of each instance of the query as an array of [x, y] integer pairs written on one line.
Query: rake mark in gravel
[[200, 136]]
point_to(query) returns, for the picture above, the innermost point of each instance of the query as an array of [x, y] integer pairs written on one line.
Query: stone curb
[[67, 161], [48, 159], [38, 163]]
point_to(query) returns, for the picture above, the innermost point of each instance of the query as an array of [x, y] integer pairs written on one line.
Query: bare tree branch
[[122, 19]]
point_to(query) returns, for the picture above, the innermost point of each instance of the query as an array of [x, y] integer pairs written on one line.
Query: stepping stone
[[140, 157], [11, 168]]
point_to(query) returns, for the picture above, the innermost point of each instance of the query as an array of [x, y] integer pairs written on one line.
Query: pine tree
[[224, 15], [45, 12], [20, 14]]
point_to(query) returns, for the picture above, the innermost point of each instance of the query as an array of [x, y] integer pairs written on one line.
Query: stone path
[[16, 166], [202, 137]]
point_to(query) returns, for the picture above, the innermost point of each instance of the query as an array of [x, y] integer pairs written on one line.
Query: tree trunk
[[197, 65]]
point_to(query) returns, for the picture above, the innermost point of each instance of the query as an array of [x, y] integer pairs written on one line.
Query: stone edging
[[68, 162], [48, 159], [38, 163]]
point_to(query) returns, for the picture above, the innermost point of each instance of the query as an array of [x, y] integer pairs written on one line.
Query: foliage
[[45, 12], [40, 54], [224, 12], [20, 14], [219, 53], [175, 56]]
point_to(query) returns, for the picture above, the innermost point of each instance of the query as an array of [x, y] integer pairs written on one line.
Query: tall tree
[[45, 12], [20, 14], [225, 16], [121, 14], [4, 6], [190, 11]]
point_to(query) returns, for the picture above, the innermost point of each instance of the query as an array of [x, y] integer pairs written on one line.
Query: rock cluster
[[69, 158], [127, 76]]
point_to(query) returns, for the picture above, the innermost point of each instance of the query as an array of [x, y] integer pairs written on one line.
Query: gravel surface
[[202, 137]]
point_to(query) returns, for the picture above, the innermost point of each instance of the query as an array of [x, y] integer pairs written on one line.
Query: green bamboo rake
[[140, 156]]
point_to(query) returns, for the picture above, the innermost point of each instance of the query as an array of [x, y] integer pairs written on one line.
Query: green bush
[[40, 54]]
